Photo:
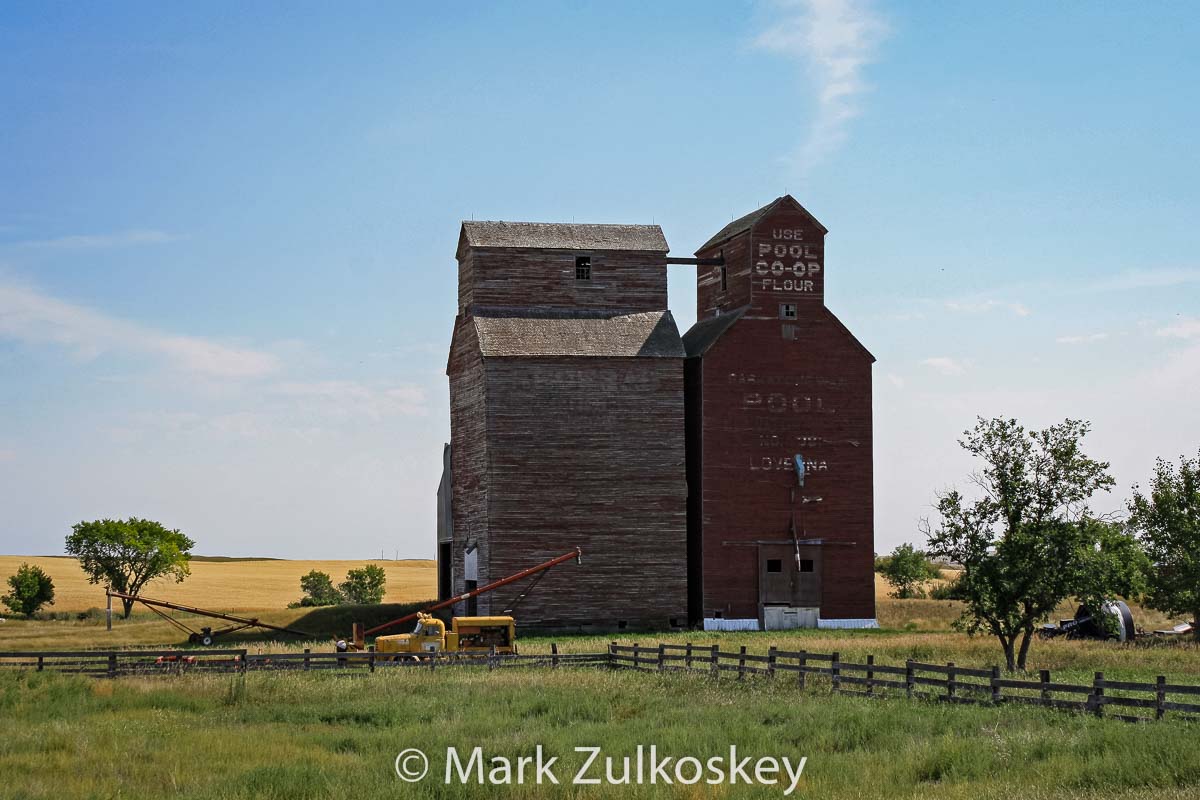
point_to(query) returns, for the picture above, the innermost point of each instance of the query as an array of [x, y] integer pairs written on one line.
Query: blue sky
[[227, 232]]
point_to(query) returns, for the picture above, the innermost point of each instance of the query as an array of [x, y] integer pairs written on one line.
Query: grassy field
[[229, 584], [298, 736]]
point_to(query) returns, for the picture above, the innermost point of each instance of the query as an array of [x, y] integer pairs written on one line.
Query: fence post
[[908, 678], [112, 665], [771, 662], [553, 655], [492, 658], [40, 662], [245, 656], [714, 660], [637, 656], [835, 671], [995, 681], [870, 675], [687, 659], [951, 683], [306, 652], [802, 663], [662, 652], [1044, 678], [742, 663], [1160, 696], [371, 659], [1098, 693], [612, 654]]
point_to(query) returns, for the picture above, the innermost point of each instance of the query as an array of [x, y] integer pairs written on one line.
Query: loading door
[[787, 581]]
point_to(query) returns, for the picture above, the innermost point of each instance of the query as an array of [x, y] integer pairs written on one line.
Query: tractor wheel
[[206, 641], [193, 638]]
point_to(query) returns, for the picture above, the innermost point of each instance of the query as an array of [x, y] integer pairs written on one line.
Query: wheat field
[[228, 585]]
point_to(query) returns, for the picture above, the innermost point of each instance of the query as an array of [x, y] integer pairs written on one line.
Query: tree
[[906, 569], [126, 554], [319, 590], [1168, 521], [1029, 542], [364, 586], [31, 588]]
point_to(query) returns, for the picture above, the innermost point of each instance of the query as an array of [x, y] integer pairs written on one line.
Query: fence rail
[[915, 679], [943, 682]]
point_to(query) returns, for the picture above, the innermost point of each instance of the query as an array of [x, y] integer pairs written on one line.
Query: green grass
[[298, 736]]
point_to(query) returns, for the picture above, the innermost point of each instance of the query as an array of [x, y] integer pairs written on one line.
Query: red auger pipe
[[554, 562]]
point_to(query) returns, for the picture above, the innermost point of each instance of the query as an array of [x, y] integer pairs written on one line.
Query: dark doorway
[[445, 586]]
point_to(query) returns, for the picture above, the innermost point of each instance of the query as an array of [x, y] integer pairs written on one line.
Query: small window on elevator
[[583, 268], [775, 565], [806, 565], [787, 310]]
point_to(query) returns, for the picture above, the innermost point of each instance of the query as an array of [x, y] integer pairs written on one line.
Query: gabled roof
[[701, 336], [563, 236], [705, 333], [648, 335], [743, 224]]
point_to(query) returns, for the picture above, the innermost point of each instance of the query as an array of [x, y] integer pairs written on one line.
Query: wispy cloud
[[946, 365], [1150, 278], [131, 238], [895, 380], [984, 306], [350, 398], [833, 40], [30, 316], [1083, 338], [1184, 329]]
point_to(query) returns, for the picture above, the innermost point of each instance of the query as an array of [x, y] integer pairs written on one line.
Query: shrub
[[364, 586], [31, 588], [319, 590]]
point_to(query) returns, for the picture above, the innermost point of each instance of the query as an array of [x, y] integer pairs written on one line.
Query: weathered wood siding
[[468, 450], [622, 281], [589, 452], [767, 389]]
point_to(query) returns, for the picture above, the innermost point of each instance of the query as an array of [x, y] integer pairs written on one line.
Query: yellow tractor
[[466, 635]]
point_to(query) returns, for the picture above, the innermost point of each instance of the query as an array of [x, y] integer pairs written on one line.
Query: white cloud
[[30, 316], [1084, 338], [1146, 279], [350, 398], [947, 365], [984, 306], [1184, 329], [131, 238], [833, 40], [895, 380]]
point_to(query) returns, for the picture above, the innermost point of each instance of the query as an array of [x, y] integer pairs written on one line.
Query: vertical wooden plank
[[492, 658], [908, 677], [802, 663], [771, 662], [836, 670], [1098, 694], [306, 655], [687, 659], [662, 652], [951, 681], [553, 655], [41, 661], [1044, 678], [713, 659], [112, 665], [1160, 696], [637, 656], [995, 682], [742, 663], [870, 675], [612, 654]]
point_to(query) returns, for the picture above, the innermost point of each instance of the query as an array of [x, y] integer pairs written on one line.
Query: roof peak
[[745, 223], [563, 235]]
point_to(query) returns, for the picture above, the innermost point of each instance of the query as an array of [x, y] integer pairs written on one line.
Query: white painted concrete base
[[847, 623], [713, 624]]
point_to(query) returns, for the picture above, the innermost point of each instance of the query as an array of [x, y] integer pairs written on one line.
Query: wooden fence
[[946, 682]]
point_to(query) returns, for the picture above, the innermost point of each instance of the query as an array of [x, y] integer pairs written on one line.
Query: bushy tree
[[30, 589], [364, 586], [319, 590], [126, 554], [1168, 521], [906, 569], [1029, 542]]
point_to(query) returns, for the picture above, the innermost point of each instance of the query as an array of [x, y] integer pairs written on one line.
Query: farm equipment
[[466, 633], [1088, 624], [205, 635]]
